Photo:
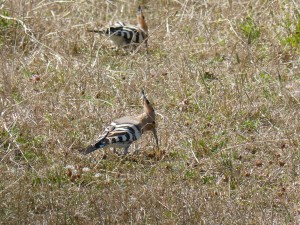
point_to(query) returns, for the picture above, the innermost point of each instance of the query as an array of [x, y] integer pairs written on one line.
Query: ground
[[223, 77]]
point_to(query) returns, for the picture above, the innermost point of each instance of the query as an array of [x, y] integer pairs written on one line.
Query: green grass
[[224, 80], [293, 38], [250, 30]]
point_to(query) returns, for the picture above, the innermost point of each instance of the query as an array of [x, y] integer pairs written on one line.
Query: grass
[[224, 79]]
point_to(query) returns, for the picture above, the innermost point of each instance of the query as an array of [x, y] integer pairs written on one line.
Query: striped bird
[[123, 35], [123, 131]]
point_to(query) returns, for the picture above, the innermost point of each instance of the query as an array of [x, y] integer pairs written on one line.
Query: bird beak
[[155, 136], [143, 94]]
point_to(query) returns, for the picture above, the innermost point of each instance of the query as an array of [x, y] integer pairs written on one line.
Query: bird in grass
[[123, 131], [123, 35]]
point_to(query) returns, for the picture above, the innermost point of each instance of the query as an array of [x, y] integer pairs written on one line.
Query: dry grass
[[224, 78]]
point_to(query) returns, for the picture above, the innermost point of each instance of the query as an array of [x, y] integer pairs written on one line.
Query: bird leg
[[115, 150], [126, 150]]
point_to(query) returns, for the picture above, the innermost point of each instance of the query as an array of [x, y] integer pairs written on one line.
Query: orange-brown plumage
[[141, 20]]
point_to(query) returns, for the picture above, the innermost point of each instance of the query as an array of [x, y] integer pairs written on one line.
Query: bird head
[[141, 20], [149, 117]]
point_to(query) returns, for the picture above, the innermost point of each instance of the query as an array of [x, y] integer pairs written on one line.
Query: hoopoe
[[123, 131], [123, 35]]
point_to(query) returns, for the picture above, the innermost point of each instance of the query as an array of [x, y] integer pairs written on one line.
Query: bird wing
[[121, 132]]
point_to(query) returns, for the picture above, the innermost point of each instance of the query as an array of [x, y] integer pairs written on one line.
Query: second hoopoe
[[123, 35], [123, 131]]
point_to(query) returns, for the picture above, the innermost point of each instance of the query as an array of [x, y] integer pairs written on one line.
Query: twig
[[193, 153]]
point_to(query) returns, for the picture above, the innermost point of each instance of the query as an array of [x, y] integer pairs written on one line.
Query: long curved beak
[[143, 94], [155, 136]]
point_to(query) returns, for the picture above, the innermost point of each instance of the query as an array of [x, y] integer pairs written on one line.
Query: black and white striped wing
[[120, 23], [123, 133], [120, 133], [136, 36], [130, 34]]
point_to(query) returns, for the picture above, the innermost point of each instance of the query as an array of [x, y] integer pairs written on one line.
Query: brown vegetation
[[224, 78]]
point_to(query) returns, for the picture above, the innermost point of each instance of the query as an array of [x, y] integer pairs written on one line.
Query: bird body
[[123, 35], [125, 130]]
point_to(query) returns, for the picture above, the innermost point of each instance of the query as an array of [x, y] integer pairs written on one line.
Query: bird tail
[[97, 31], [100, 144], [91, 148], [88, 150], [109, 31]]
